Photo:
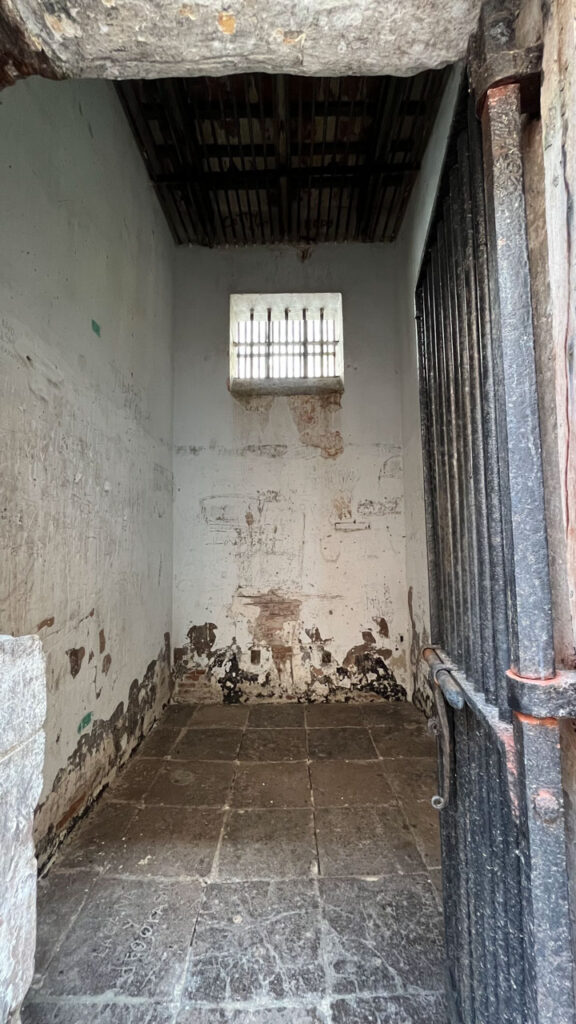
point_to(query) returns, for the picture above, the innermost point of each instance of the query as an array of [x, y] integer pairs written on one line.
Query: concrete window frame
[[289, 343]]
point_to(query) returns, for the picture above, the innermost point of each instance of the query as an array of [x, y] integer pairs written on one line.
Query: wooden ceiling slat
[[258, 158]]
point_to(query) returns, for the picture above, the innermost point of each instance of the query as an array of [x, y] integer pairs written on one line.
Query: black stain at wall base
[[107, 745]]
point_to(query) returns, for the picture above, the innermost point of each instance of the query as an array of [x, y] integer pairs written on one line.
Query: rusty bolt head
[[547, 806]]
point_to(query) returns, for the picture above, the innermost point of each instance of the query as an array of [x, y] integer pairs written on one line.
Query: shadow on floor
[[276, 864]]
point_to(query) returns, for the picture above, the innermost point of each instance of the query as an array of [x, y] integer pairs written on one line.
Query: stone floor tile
[[225, 716], [384, 711], [268, 844], [381, 936], [340, 744], [211, 744], [271, 785], [192, 784], [273, 745], [60, 897], [324, 716], [98, 1013], [159, 742], [130, 938], [435, 876], [425, 1009], [169, 842], [365, 841], [425, 824], [350, 783], [134, 779], [414, 778], [98, 838], [276, 716], [408, 738], [294, 1014], [256, 941], [178, 715]]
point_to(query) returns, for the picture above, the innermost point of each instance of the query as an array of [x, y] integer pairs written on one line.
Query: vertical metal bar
[[305, 342], [323, 368], [445, 482], [457, 439], [470, 498], [486, 663], [268, 343], [488, 404], [251, 348], [457, 574], [532, 648], [435, 584], [465, 962]]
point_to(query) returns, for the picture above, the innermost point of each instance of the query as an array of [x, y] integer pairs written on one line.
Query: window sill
[[288, 386]]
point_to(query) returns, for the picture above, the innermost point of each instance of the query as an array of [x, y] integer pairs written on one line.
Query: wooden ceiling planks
[[257, 159]]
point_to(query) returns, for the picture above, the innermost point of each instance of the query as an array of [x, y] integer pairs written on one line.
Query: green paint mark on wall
[[96, 327], [85, 722]]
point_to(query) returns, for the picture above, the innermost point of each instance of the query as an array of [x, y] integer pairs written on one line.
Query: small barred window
[[286, 343]]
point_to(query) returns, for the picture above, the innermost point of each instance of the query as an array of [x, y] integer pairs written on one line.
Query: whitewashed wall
[[85, 427], [289, 511], [409, 248]]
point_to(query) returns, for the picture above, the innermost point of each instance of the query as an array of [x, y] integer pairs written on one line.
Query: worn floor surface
[[263, 865]]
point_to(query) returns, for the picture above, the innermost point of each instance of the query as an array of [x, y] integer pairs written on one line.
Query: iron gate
[[492, 664]]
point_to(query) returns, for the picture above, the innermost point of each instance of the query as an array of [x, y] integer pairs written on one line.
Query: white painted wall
[[410, 248], [85, 425], [289, 511]]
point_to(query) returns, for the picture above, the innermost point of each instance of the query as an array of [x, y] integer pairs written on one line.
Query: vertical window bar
[[251, 344], [305, 343], [287, 346], [323, 372], [268, 342]]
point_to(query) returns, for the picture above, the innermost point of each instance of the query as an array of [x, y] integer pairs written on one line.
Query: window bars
[[284, 339]]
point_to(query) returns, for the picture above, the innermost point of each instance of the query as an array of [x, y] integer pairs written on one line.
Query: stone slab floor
[[272, 864]]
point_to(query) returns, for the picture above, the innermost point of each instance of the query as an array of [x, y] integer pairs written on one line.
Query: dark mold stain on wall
[[202, 638], [76, 657], [225, 668], [108, 743], [279, 636]]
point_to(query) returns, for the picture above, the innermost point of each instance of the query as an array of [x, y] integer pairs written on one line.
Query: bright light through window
[[286, 342]]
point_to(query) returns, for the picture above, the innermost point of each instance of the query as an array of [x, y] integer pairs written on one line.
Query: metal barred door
[[492, 665]]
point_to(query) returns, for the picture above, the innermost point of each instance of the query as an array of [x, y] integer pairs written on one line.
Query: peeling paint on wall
[[285, 659], [99, 753]]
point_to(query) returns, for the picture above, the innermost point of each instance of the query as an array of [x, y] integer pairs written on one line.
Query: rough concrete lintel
[[21, 55], [170, 38]]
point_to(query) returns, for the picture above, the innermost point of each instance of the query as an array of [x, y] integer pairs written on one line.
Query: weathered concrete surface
[[153, 39], [22, 712], [289, 547], [85, 427]]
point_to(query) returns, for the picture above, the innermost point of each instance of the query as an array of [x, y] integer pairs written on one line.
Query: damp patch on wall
[[285, 659], [104, 745]]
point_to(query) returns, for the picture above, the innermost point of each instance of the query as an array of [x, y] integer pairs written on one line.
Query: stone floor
[[252, 865]]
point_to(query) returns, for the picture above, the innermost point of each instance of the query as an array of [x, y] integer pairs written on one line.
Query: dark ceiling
[[274, 158]]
